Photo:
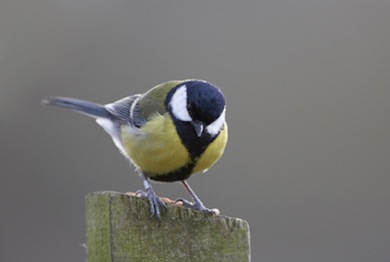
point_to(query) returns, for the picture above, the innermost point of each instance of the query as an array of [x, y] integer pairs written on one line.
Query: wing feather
[[127, 111]]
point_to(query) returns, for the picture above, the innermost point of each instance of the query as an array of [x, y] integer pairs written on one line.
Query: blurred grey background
[[308, 91]]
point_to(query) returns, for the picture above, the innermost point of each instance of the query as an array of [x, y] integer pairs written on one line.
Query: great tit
[[172, 131]]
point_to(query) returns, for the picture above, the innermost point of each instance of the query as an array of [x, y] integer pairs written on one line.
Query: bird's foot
[[154, 200], [197, 206]]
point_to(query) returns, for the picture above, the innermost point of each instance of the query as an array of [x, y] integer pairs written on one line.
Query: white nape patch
[[179, 104], [216, 126]]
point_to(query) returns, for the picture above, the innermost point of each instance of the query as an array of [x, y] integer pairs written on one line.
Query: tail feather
[[81, 106]]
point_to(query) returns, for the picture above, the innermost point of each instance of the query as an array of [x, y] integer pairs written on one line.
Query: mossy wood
[[119, 228]]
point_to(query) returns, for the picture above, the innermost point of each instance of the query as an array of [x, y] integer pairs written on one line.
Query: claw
[[140, 193], [197, 206], [153, 199]]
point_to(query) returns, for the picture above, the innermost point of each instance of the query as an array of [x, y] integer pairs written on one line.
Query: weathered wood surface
[[119, 229]]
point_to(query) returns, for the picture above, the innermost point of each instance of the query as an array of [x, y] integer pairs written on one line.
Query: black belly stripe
[[179, 174]]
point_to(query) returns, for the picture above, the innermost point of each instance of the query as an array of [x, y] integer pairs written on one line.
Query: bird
[[172, 131]]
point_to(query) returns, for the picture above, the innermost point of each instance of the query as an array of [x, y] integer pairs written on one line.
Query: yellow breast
[[213, 152], [157, 149]]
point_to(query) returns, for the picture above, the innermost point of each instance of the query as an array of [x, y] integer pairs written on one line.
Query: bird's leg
[[153, 199], [197, 205]]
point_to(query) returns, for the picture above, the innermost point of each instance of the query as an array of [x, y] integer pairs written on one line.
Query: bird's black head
[[198, 103], [197, 109], [205, 102]]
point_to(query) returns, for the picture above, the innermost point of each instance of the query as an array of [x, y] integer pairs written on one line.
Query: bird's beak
[[199, 127]]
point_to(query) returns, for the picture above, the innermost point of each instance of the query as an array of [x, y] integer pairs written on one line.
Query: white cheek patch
[[216, 126], [179, 104]]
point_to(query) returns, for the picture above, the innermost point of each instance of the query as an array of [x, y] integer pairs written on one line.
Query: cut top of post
[[119, 228]]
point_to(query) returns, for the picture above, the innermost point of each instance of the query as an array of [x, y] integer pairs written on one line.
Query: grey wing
[[124, 112], [127, 111]]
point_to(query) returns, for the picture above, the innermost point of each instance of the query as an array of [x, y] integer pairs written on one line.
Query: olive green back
[[153, 101]]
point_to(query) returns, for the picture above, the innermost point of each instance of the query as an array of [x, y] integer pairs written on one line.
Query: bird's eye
[[189, 109]]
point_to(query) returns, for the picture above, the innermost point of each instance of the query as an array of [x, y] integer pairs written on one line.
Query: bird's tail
[[85, 107]]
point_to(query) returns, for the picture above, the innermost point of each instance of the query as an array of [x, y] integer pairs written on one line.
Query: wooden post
[[119, 228]]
